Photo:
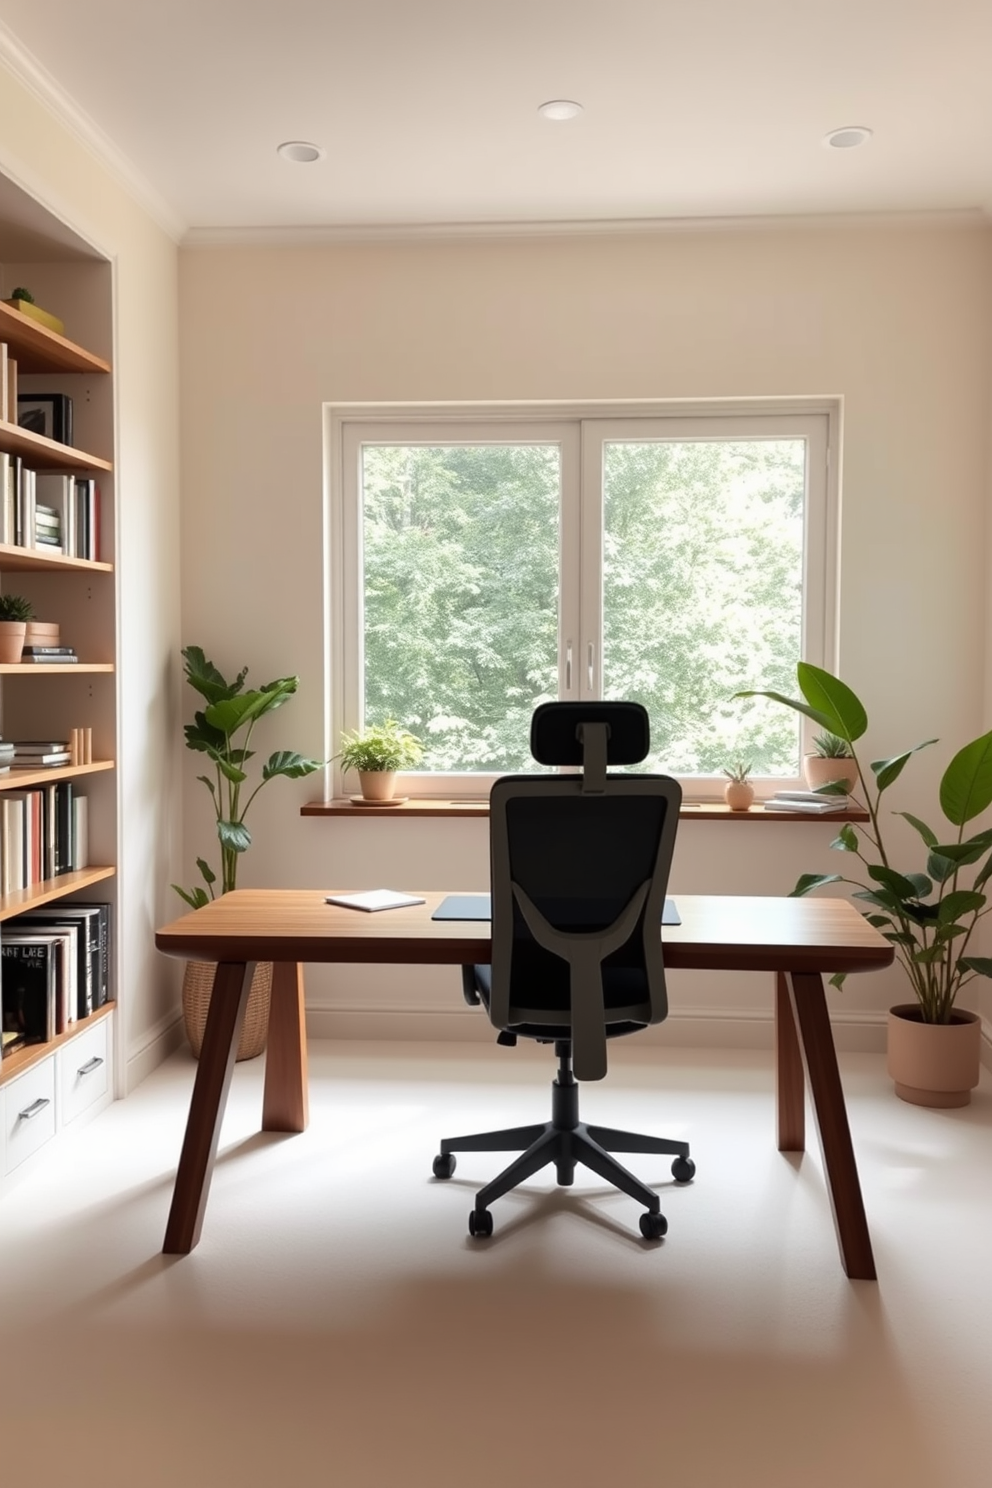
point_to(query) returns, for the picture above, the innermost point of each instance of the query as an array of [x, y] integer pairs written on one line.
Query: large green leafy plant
[[231, 712], [929, 916]]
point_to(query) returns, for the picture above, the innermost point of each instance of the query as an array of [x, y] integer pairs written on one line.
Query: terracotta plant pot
[[818, 770], [934, 1064], [738, 795], [11, 640], [378, 785]]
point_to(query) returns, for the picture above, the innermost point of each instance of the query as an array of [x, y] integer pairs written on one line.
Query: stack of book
[[44, 654], [6, 756], [55, 971], [812, 803], [44, 832], [37, 754]]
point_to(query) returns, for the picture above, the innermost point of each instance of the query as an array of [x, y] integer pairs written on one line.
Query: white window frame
[[579, 429]]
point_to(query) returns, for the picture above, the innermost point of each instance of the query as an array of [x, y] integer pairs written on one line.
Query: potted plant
[[831, 760], [223, 731], [15, 612], [738, 792], [930, 914], [377, 753]]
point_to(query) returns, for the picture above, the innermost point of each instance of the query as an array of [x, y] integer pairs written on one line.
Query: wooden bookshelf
[[45, 454], [50, 668], [15, 559]]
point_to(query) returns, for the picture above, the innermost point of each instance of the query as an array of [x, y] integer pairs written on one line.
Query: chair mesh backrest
[[580, 859]]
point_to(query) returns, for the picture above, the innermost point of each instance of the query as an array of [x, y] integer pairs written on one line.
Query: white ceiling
[[427, 109]]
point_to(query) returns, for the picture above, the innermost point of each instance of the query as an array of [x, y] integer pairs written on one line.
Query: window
[[483, 561]]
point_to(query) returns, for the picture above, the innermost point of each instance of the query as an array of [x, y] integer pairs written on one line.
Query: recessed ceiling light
[[560, 109], [300, 151], [848, 138]]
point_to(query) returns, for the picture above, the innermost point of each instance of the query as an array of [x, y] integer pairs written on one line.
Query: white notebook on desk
[[373, 899]]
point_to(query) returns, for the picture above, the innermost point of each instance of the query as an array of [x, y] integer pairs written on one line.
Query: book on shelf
[[11, 405], [41, 761], [48, 651], [32, 658], [39, 746], [28, 986], [49, 414], [11, 842], [56, 489], [87, 917], [44, 833]]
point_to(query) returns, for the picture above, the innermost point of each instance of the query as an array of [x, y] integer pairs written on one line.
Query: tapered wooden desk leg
[[226, 1014], [820, 1058], [285, 1106], [790, 1087]]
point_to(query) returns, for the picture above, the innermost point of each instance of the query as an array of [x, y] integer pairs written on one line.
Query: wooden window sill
[[428, 806]]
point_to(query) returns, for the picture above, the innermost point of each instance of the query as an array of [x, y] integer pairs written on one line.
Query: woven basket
[[198, 981]]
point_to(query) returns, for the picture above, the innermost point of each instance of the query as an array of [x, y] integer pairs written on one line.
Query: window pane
[[703, 567], [461, 596]]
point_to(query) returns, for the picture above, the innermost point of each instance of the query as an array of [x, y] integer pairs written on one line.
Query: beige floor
[[337, 1326]]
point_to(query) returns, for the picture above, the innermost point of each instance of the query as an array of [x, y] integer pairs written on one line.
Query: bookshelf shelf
[[18, 779], [38, 349], [46, 454], [24, 1059], [51, 889], [34, 560], [21, 668]]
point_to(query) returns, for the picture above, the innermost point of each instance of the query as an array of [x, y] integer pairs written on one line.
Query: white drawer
[[84, 1070], [28, 1113]]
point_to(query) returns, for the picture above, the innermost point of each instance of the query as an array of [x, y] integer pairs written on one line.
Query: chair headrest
[[555, 737]]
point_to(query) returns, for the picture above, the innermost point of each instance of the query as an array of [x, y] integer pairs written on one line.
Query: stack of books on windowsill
[[812, 803], [40, 754]]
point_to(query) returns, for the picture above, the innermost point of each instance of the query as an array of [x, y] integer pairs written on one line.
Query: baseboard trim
[[165, 1039], [854, 1032]]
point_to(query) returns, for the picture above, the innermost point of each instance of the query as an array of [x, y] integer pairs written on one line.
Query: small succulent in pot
[[831, 746], [15, 607], [738, 792]]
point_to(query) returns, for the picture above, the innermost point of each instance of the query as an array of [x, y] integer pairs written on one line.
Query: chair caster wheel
[[480, 1224], [653, 1226], [683, 1170], [444, 1165]]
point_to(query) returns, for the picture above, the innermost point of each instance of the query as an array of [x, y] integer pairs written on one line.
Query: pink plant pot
[[934, 1064]]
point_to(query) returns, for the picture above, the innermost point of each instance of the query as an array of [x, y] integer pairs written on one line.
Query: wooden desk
[[797, 939]]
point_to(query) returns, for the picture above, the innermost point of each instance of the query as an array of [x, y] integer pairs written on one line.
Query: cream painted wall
[[50, 163], [894, 319]]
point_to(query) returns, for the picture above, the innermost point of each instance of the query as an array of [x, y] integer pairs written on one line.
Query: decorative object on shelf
[[15, 612], [931, 916], [830, 761], [81, 746], [377, 753], [23, 300], [223, 731], [43, 634], [738, 792], [49, 414]]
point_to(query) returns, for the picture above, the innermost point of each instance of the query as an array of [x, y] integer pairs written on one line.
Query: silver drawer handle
[[34, 1109], [89, 1066]]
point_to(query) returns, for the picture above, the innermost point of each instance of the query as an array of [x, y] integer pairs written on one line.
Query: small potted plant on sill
[[831, 762], [930, 916], [377, 753], [15, 612], [738, 792], [231, 711]]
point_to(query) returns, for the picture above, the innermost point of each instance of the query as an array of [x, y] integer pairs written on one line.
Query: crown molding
[[321, 236], [28, 71]]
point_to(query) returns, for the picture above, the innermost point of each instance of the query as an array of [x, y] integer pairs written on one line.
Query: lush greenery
[[929, 916], [15, 607], [702, 582], [230, 712], [829, 746], [384, 746]]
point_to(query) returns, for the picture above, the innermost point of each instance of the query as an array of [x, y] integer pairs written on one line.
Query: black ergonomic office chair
[[580, 865]]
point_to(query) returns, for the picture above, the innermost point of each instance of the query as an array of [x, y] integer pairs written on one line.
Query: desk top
[[718, 932]]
